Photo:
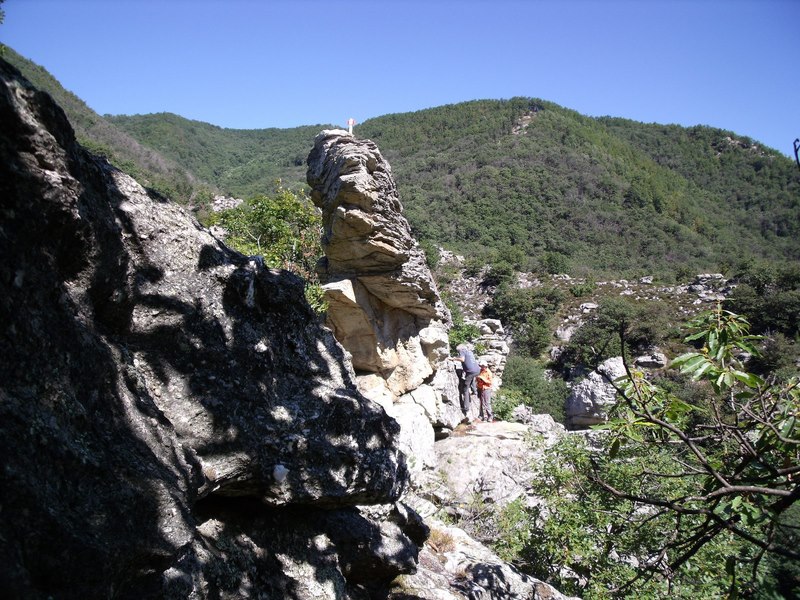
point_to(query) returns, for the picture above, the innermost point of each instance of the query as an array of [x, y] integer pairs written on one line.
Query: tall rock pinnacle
[[384, 307]]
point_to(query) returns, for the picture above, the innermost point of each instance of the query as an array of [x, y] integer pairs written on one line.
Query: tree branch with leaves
[[738, 457]]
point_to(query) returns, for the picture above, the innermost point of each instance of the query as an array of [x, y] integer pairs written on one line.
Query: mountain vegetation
[[709, 456], [241, 162], [557, 191], [524, 181], [538, 185]]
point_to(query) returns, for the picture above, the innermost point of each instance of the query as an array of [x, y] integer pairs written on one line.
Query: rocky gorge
[[176, 423]]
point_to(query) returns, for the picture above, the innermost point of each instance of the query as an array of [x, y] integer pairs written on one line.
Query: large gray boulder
[[590, 398], [491, 462], [173, 421]]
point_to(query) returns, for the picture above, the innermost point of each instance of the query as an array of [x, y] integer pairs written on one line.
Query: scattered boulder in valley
[[591, 396]]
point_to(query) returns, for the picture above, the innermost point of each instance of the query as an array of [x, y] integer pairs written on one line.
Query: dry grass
[[440, 541]]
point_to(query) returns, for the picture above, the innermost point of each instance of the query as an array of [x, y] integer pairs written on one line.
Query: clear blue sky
[[733, 64]]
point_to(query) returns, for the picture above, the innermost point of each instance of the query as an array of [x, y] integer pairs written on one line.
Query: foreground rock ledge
[[173, 422]]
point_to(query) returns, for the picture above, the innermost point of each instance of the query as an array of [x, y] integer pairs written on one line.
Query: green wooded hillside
[[543, 185], [524, 180], [242, 162], [582, 194]]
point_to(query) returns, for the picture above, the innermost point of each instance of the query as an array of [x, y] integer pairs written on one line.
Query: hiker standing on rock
[[470, 372], [484, 381]]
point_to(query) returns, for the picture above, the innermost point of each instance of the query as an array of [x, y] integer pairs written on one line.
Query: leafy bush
[[460, 332], [768, 296], [722, 489], [284, 228], [527, 313], [315, 296], [505, 401], [642, 325], [525, 381], [778, 356], [431, 254], [590, 544], [554, 263], [579, 290], [499, 272], [473, 266]]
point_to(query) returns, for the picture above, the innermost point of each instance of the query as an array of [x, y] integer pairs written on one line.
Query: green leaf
[[788, 426], [703, 368], [695, 336], [749, 379], [614, 449], [692, 363], [679, 360]]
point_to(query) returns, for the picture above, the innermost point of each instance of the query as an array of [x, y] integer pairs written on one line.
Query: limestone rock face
[[492, 460], [167, 404], [384, 307], [587, 402], [460, 567]]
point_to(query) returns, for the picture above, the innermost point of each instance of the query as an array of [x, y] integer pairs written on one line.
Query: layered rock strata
[[384, 307]]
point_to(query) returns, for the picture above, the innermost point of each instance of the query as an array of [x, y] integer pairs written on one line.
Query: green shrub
[[460, 332], [315, 297], [769, 297], [473, 266], [527, 313], [554, 263], [431, 254], [579, 290], [525, 382], [643, 325], [505, 401], [499, 272]]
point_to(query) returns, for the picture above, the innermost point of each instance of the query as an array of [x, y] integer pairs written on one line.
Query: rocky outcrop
[[481, 470], [490, 462], [590, 397], [453, 566], [173, 421], [380, 292], [383, 304]]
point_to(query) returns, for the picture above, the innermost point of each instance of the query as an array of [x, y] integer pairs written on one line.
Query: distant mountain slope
[[243, 162], [603, 195], [522, 179], [100, 136]]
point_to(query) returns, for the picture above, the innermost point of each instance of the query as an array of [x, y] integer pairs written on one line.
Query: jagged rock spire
[[383, 301]]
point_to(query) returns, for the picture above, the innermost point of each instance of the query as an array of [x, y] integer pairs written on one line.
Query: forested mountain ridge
[[529, 175], [521, 180], [541, 185], [243, 162]]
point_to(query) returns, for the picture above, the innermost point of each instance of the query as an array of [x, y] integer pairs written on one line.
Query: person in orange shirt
[[484, 381]]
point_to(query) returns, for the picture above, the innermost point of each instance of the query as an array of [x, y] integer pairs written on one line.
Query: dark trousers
[[469, 388]]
